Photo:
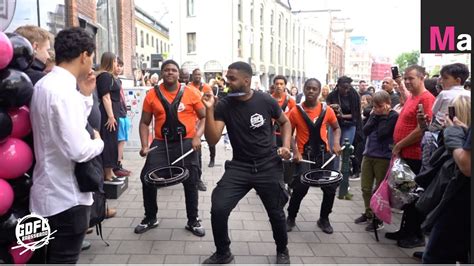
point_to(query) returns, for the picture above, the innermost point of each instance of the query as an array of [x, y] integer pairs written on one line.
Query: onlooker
[[124, 123], [324, 94], [388, 85], [40, 40], [284, 100], [294, 92], [363, 88], [184, 76], [108, 90], [377, 153], [154, 79], [371, 90], [58, 118]]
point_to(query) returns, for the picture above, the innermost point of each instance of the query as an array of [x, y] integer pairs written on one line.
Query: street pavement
[[250, 230]]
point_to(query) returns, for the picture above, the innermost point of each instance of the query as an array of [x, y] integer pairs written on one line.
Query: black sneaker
[[395, 235], [146, 225], [411, 242], [290, 224], [201, 186], [370, 226], [418, 254], [196, 228], [325, 226], [217, 258], [362, 219], [211, 163], [354, 177], [283, 257]]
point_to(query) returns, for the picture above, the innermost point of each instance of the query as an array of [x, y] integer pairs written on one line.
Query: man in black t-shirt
[[248, 115]]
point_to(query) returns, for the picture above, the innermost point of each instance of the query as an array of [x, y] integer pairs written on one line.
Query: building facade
[[110, 21], [152, 40], [359, 63], [263, 33]]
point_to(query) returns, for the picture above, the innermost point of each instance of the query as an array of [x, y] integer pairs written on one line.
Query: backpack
[[98, 213]]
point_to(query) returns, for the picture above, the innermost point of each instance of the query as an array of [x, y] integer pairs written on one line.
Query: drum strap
[[315, 145], [172, 128]]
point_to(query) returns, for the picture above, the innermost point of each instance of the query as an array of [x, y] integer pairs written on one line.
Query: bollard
[[345, 170]]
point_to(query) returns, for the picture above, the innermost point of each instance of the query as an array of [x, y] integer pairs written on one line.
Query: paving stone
[[135, 247], [123, 234], [99, 247], [299, 249], [318, 260], [168, 247], [264, 249], [350, 260], [108, 259], [335, 237], [382, 260], [257, 225], [183, 259], [245, 235], [357, 250], [157, 234], [251, 260], [146, 259], [387, 251], [199, 247], [327, 250], [302, 237]]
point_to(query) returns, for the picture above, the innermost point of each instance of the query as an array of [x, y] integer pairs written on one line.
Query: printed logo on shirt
[[181, 107], [315, 119], [32, 232], [256, 121]]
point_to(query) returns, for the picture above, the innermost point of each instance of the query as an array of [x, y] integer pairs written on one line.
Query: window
[[272, 21], [141, 39], [280, 21], [147, 43], [286, 30], [239, 10], [161, 46], [136, 36], [271, 51], [191, 43], [107, 22], [152, 41], [252, 54], [190, 8], [239, 43], [157, 47], [261, 16], [261, 47], [279, 52]]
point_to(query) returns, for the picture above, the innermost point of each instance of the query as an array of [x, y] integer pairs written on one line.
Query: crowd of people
[[269, 133]]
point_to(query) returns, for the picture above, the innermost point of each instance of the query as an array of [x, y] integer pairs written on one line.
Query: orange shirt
[[205, 87], [289, 106], [302, 131], [187, 110]]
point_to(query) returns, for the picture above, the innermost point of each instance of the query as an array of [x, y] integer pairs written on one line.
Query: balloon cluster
[[16, 156]]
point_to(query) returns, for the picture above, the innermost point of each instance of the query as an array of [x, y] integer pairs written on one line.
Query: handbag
[[380, 200], [90, 174]]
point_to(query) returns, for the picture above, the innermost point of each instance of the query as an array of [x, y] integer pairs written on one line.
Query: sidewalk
[[250, 230]]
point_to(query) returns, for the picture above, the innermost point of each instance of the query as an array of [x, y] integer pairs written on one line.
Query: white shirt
[[58, 114], [443, 100]]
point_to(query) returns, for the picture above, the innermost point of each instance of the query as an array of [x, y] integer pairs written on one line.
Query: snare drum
[[321, 177], [166, 176]]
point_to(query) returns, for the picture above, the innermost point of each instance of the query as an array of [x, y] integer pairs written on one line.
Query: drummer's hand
[[284, 153], [297, 157], [144, 151], [196, 143], [337, 149]]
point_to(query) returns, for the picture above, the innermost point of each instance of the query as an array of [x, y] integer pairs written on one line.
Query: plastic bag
[[379, 202], [402, 184]]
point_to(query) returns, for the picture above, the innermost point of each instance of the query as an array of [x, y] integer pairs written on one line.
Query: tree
[[406, 59]]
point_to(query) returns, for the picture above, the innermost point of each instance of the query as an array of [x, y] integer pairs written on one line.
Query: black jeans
[[158, 158], [300, 190], [266, 177], [212, 152], [71, 226], [412, 218]]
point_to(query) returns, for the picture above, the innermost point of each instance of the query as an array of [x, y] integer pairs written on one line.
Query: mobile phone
[[395, 72], [451, 112], [420, 108]]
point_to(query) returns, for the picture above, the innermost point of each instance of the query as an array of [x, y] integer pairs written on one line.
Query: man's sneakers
[[201, 186], [325, 226], [146, 225], [283, 257], [362, 219], [85, 245], [217, 258], [119, 171], [211, 163], [395, 235], [196, 228], [411, 242], [290, 224], [348, 196]]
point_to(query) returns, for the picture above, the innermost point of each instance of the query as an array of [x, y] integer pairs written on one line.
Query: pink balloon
[[20, 259], [6, 50], [16, 158], [6, 197], [21, 121]]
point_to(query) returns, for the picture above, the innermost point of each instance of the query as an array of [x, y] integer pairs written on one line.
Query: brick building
[[110, 21]]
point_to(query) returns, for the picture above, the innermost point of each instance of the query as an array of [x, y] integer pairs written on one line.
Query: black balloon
[[16, 88], [6, 125], [7, 226], [21, 186], [23, 54]]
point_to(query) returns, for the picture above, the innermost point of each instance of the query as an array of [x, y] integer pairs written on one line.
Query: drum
[[166, 176], [321, 177]]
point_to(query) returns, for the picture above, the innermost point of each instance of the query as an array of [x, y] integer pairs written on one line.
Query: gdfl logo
[[32, 232], [445, 42]]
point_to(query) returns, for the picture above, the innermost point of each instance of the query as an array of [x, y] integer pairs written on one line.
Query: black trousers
[[71, 226], [212, 152], [158, 158], [265, 176], [110, 152], [300, 190], [412, 218]]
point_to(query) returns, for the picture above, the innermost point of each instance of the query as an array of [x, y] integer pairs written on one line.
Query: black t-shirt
[[106, 83], [249, 124]]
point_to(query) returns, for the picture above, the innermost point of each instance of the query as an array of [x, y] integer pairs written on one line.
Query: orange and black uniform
[[175, 120], [286, 104], [312, 142]]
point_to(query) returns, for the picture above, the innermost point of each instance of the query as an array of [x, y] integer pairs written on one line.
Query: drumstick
[[307, 161], [330, 159], [183, 156]]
